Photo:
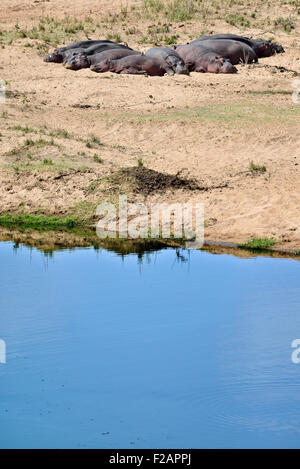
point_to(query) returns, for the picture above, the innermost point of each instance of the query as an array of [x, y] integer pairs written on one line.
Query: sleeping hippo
[[79, 61], [235, 51], [88, 47], [137, 65], [261, 47], [199, 58], [171, 57], [58, 55]]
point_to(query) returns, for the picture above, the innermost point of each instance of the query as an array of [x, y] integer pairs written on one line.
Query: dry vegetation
[[70, 140]]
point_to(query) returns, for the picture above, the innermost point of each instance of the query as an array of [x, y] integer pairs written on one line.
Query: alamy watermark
[[2, 92], [157, 220], [296, 93], [296, 353], [2, 351]]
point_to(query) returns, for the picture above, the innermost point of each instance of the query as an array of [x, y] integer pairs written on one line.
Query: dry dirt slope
[[66, 135]]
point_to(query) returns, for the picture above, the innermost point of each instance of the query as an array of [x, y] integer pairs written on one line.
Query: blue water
[[105, 352]]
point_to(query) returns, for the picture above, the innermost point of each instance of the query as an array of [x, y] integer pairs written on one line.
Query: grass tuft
[[257, 168], [258, 243], [41, 221]]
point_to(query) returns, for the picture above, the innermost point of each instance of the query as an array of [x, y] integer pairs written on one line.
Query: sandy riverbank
[[66, 136]]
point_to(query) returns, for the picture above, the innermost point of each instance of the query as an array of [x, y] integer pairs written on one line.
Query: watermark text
[[2, 351], [156, 220]]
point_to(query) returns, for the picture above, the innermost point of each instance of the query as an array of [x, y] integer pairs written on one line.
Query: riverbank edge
[[68, 223]]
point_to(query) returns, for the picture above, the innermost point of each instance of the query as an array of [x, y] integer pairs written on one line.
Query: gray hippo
[[88, 47], [137, 65], [171, 57], [235, 51], [79, 61], [200, 58], [261, 47]]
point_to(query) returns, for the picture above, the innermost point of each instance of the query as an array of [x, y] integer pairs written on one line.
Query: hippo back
[[171, 57], [234, 37], [261, 47], [112, 54], [234, 51], [95, 49]]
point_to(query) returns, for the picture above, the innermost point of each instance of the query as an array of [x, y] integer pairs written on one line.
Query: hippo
[[199, 58], [235, 51], [88, 47], [171, 57], [80, 61], [261, 47], [58, 55], [138, 65]]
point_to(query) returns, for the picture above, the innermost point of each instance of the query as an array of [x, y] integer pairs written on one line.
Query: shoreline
[[90, 237]]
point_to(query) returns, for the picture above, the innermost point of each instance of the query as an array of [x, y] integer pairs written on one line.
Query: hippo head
[[181, 69], [55, 57], [76, 62], [265, 48], [218, 64], [278, 48], [177, 65], [227, 67], [101, 67]]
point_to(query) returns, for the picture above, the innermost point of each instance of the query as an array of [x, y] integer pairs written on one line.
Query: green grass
[[84, 210], [93, 186], [29, 143], [257, 168], [258, 244], [173, 10], [50, 31], [59, 133], [114, 37], [97, 158], [237, 20], [41, 221], [226, 113], [287, 24], [171, 40], [45, 165], [91, 142], [47, 161]]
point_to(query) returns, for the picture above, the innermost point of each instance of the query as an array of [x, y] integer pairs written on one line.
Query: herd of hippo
[[218, 53]]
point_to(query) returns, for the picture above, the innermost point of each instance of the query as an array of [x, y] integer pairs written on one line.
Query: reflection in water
[[50, 241], [195, 352]]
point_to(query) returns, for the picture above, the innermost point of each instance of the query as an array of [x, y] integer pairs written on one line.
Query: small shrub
[[258, 243], [287, 24], [257, 168]]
